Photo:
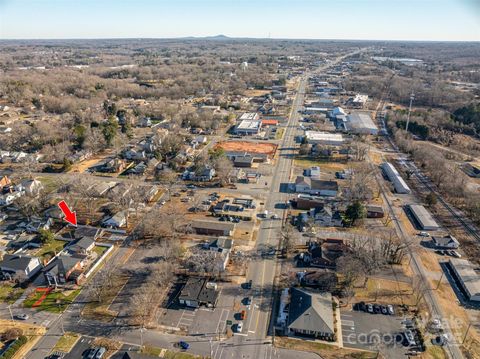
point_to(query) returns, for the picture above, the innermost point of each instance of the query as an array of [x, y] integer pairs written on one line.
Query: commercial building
[[197, 292], [467, 277], [423, 218], [447, 242], [311, 314], [361, 123], [324, 138], [393, 176], [213, 228], [248, 127]]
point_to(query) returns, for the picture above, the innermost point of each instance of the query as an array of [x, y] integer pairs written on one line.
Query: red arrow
[[70, 217]]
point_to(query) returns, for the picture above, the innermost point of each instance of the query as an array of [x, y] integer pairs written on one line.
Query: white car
[[239, 327], [424, 234]]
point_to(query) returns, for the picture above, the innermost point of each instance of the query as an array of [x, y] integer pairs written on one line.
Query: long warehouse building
[[423, 217], [467, 277], [398, 182]]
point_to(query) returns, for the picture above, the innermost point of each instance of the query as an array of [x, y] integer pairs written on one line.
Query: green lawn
[[9, 294], [55, 302], [100, 250], [50, 248], [66, 342], [168, 354], [279, 133]]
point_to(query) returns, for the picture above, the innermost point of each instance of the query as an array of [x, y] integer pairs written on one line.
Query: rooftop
[[249, 125]]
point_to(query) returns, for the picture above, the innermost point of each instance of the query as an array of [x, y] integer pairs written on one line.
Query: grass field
[[325, 351], [50, 248], [55, 302], [9, 293], [66, 342]]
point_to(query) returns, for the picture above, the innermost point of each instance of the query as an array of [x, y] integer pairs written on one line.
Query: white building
[[251, 116], [248, 127], [467, 277], [324, 138], [359, 101], [398, 182], [361, 123]]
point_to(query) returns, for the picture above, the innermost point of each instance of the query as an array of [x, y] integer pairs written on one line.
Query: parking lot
[[208, 321], [373, 332], [80, 349]]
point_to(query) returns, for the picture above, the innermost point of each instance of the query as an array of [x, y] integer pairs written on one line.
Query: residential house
[[101, 188], [447, 242], [236, 175], [213, 228], [311, 314], [114, 165], [86, 231], [64, 268], [323, 254], [198, 291], [203, 175], [118, 220], [19, 267], [221, 244], [37, 224], [302, 185], [83, 245], [326, 216]]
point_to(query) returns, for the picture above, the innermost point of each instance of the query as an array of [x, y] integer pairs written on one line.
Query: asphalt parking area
[[80, 349], [373, 332]]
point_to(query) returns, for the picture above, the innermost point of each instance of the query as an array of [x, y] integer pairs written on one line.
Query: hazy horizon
[[367, 20]]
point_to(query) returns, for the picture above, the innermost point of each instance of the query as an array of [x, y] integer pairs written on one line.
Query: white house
[[19, 267], [116, 221]]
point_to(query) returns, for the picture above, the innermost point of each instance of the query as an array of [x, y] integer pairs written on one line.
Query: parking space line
[[349, 323]]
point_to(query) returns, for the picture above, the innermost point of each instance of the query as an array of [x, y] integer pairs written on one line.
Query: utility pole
[[412, 97]]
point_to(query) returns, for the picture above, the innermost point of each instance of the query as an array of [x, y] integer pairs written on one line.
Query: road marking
[[348, 323], [241, 334]]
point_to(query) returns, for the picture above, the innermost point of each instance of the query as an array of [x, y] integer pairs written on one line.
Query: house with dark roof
[[311, 314], [213, 228], [19, 267], [87, 231], [221, 244], [82, 245], [64, 268], [198, 291]]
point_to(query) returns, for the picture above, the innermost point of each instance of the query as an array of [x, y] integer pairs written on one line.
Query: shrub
[[13, 348]]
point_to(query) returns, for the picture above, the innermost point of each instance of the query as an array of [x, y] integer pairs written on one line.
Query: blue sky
[[314, 19]]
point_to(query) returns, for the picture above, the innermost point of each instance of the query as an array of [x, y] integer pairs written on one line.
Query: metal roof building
[[423, 217], [398, 182], [467, 277], [248, 127], [361, 123], [324, 138]]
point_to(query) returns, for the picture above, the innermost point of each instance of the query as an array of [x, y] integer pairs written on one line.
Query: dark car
[[183, 345], [248, 285], [247, 300], [384, 309], [362, 306], [377, 309]]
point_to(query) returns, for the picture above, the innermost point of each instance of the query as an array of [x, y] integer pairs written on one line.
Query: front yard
[[54, 302], [50, 249], [9, 293]]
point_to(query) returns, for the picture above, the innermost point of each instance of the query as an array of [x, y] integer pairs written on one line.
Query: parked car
[[370, 308], [247, 300], [91, 353], [239, 327], [424, 234], [410, 338], [390, 309], [243, 315], [377, 309], [362, 306], [384, 309], [22, 316], [248, 285], [274, 216], [100, 353], [183, 345]]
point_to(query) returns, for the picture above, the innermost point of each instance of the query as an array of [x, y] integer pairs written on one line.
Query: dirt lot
[[251, 147]]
